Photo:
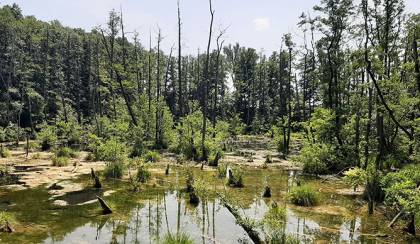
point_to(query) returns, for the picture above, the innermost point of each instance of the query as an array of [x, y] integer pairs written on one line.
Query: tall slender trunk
[[206, 83]]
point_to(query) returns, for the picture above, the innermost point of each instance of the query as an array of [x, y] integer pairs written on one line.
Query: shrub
[[47, 137], [315, 158], [355, 177], [4, 152], [60, 161], [235, 179], [32, 145], [114, 170], [66, 152], [111, 151], [143, 175], [303, 196], [152, 157]]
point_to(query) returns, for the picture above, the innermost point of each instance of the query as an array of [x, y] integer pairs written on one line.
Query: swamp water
[[162, 209]]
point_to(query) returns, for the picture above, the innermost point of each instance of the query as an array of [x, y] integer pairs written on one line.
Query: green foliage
[[111, 151], [275, 218], [143, 174], [222, 170], [66, 152], [6, 217], [355, 177], [402, 188], [151, 157], [236, 127], [114, 170], [60, 161], [11, 133], [236, 179], [181, 238], [303, 196], [315, 158], [47, 137], [69, 132], [189, 138], [4, 152]]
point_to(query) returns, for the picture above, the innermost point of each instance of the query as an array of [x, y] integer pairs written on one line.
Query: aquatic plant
[[235, 177], [303, 196], [143, 174], [180, 238]]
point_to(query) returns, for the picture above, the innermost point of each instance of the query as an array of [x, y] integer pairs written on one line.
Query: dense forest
[[344, 102]]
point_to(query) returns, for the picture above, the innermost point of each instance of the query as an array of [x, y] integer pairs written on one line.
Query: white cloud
[[261, 24]]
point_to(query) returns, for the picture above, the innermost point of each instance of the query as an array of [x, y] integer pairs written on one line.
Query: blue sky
[[255, 23]]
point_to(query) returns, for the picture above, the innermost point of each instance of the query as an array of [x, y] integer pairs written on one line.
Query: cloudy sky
[[255, 23]]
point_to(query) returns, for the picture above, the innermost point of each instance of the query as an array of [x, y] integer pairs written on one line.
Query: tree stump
[[105, 208], [95, 178]]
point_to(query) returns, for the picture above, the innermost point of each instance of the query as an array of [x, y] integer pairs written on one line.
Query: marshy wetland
[[66, 210]]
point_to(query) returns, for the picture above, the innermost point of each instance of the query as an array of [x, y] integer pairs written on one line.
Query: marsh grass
[[303, 196]]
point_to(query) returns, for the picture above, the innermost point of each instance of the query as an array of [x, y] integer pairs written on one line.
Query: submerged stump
[[95, 178], [105, 208], [267, 192]]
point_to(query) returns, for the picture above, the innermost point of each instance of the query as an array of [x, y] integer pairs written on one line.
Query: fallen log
[[395, 219], [253, 234], [105, 208]]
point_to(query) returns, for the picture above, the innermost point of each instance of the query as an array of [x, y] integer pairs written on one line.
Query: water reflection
[[154, 219]]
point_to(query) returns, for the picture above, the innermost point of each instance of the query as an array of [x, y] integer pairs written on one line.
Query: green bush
[[111, 151], [114, 170], [236, 178], [303, 196], [315, 158], [151, 157], [355, 177], [47, 137], [143, 174], [66, 152], [4, 152], [60, 161]]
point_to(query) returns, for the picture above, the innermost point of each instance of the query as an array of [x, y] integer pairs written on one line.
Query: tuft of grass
[[6, 218], [60, 161], [303, 196], [152, 157], [221, 170], [181, 238]]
